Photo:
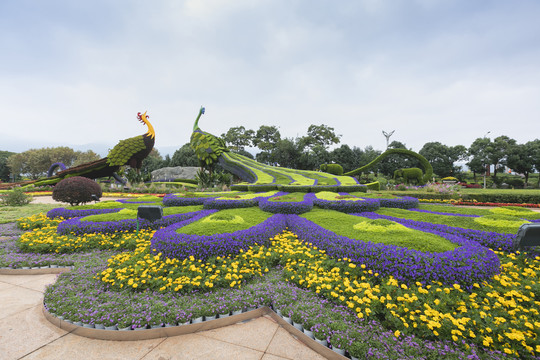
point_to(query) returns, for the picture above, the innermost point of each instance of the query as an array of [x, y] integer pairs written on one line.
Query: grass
[[132, 213], [250, 217], [12, 213], [291, 197], [355, 227]]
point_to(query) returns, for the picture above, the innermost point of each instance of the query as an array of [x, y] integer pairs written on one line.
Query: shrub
[[263, 187], [334, 169], [16, 197], [239, 187], [76, 190]]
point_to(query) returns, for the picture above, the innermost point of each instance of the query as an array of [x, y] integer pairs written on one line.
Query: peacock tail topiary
[[124, 150], [207, 147]]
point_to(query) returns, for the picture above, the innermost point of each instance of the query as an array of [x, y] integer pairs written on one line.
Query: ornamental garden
[[369, 274], [376, 275]]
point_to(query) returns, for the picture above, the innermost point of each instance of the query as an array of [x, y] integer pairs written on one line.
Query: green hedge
[[375, 186], [352, 188], [259, 188], [507, 196], [295, 188], [239, 187]]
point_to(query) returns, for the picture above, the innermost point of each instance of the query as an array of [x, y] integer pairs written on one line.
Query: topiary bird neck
[[196, 125]]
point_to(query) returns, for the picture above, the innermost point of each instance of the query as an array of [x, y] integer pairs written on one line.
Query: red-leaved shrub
[[76, 190]]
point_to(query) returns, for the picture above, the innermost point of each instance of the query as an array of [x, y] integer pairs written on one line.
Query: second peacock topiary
[[207, 147]]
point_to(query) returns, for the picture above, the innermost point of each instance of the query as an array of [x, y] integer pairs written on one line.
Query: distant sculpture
[[409, 174]]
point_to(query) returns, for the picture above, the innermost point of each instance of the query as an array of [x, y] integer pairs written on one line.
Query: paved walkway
[[26, 334]]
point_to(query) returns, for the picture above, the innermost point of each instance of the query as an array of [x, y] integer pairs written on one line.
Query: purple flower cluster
[[402, 202], [79, 227], [124, 201], [177, 245], [287, 207], [348, 206], [492, 240], [68, 213], [175, 200], [465, 265]]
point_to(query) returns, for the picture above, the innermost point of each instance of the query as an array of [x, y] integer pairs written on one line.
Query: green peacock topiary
[[207, 147]]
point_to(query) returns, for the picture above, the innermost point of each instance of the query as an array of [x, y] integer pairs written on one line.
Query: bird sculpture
[[130, 152], [207, 147]]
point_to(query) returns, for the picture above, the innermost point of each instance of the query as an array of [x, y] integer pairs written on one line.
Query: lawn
[[411, 282]]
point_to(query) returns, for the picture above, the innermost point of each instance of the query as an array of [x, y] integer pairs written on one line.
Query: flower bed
[[349, 205], [287, 207], [402, 202], [172, 244], [72, 213], [468, 264], [76, 226]]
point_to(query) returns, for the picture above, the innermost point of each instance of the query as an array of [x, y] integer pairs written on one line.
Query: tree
[[479, 155], [4, 168], [320, 135], [443, 157], [287, 154], [238, 138], [520, 158], [348, 158], [497, 152], [535, 150], [152, 162], [266, 140], [36, 162], [185, 156], [85, 157]]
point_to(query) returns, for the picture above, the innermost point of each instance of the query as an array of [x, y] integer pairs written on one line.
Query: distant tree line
[[308, 152]]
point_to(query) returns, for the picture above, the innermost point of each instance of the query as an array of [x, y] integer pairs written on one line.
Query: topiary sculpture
[[409, 174], [334, 169], [76, 190]]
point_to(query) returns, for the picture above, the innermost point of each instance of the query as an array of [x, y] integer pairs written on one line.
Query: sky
[[76, 73]]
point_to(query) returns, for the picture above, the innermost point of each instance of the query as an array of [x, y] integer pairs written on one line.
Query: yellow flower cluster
[[501, 315], [140, 269], [37, 220], [45, 239]]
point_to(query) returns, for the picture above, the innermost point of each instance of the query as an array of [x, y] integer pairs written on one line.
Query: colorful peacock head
[[143, 118]]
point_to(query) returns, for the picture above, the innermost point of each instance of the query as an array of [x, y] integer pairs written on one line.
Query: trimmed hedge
[[261, 188], [375, 186], [239, 187], [352, 188], [334, 169], [295, 188], [503, 196]]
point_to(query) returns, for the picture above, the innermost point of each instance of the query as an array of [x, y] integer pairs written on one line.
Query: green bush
[[76, 190], [334, 169], [295, 188], [375, 186], [15, 197], [352, 188]]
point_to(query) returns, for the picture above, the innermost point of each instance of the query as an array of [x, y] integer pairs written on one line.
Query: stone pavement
[[26, 334]]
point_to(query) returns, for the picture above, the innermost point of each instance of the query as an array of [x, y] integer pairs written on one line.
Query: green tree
[[238, 138], [152, 162], [498, 150], [287, 154], [520, 158], [320, 135], [35, 162], [185, 156], [5, 171], [479, 156], [83, 157], [266, 140], [443, 157], [535, 150]]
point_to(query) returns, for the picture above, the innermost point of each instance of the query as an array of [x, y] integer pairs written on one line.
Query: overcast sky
[[76, 73]]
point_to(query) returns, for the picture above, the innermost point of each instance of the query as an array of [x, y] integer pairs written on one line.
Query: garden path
[[26, 334]]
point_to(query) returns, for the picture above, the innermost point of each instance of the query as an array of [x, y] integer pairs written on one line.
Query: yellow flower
[[397, 333]]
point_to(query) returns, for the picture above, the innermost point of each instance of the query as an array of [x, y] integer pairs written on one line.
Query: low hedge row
[[492, 197]]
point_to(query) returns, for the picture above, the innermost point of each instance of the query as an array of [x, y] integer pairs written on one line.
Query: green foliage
[[251, 216], [260, 188], [443, 157], [207, 147], [334, 169], [137, 177], [352, 188], [374, 186], [344, 224], [239, 187], [428, 169], [291, 197], [15, 197], [295, 188], [409, 174], [185, 156], [238, 138], [76, 190], [124, 150], [189, 181]]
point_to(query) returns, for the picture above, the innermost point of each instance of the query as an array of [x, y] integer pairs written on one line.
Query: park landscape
[[369, 273]]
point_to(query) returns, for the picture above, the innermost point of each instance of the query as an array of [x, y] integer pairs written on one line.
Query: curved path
[[25, 333]]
